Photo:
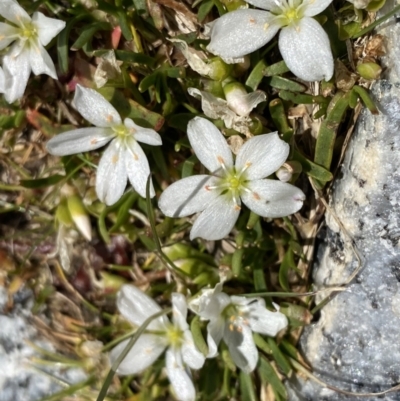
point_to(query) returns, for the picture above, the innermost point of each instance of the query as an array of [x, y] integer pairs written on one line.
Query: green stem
[[376, 23]]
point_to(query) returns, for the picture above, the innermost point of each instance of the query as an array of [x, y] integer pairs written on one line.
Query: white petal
[[241, 346], [135, 306], [244, 103], [145, 135], [8, 34], [314, 7], [179, 311], [217, 221], [12, 11], [270, 198], [209, 144], [41, 63], [2, 81], [190, 354], [16, 71], [144, 353], [137, 167], [47, 27], [263, 321], [215, 332], [111, 174], [79, 140], [264, 4], [306, 50], [213, 107], [241, 32], [179, 377], [187, 196], [263, 154], [212, 305], [95, 108]]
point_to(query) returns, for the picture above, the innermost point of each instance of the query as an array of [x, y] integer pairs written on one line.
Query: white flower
[[27, 54], [218, 196], [234, 319], [123, 159], [136, 307], [234, 111], [303, 43]]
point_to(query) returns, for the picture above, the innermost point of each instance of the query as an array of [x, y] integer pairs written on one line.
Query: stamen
[[245, 167], [222, 162]]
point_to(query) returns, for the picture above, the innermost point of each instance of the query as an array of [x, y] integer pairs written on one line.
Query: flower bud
[[79, 215], [287, 170], [62, 215], [219, 70], [369, 70], [241, 102], [298, 315]]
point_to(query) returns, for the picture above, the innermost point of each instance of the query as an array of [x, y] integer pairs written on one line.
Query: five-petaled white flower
[[303, 43], [136, 307], [218, 196], [234, 319], [27, 54], [123, 159]]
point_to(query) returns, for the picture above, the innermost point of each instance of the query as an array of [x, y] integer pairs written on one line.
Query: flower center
[[235, 317], [28, 31], [174, 336], [289, 12], [234, 183], [230, 182], [120, 130]]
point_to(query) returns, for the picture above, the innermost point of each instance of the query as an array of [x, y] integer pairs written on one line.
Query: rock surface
[[355, 345], [19, 380]]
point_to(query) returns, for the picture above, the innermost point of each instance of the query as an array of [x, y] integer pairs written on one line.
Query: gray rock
[[355, 345], [19, 380]]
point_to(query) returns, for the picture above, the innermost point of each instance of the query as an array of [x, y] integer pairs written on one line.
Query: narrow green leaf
[[124, 24], [327, 132], [377, 22], [247, 387], [286, 265], [275, 69], [87, 34], [364, 95], [280, 359], [62, 43], [188, 165], [262, 344], [284, 83], [204, 9], [268, 375], [279, 117], [312, 169], [256, 75], [195, 328], [123, 211], [42, 182]]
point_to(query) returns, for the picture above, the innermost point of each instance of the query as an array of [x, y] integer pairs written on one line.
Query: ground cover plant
[[173, 158]]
